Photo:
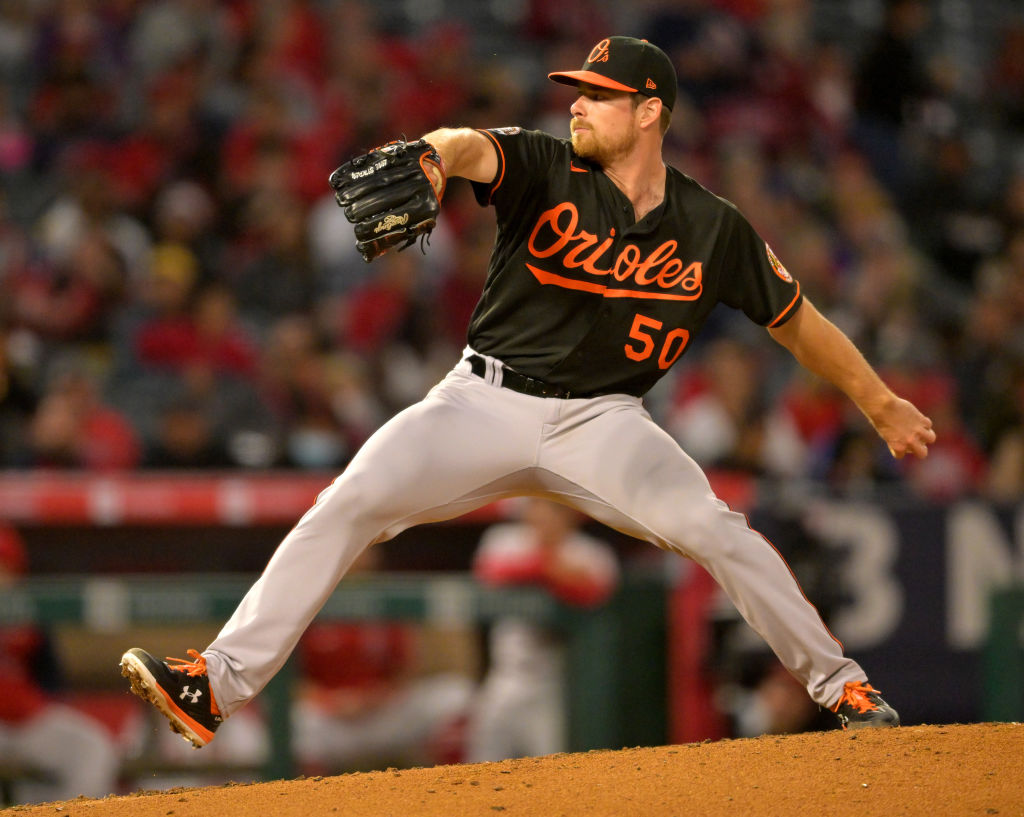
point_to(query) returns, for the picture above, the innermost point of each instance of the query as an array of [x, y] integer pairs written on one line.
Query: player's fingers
[[900, 449], [916, 445], [919, 443]]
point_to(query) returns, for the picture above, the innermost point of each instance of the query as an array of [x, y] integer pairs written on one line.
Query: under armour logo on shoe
[[192, 696]]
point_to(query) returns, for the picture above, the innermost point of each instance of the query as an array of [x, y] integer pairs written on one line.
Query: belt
[[523, 384]]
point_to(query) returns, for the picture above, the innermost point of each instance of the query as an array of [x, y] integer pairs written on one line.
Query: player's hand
[[904, 429]]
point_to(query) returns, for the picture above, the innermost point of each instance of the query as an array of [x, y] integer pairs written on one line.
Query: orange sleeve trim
[[501, 161], [789, 306]]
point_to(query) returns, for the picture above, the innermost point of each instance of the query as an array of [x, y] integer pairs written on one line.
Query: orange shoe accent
[[198, 728], [855, 694], [197, 666], [193, 724]]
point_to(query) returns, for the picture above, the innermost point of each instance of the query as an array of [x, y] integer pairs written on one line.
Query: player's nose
[[579, 106]]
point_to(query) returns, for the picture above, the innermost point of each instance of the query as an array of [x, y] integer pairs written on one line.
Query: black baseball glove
[[392, 194]]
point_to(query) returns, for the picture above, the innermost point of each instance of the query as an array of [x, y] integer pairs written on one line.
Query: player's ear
[[650, 112]]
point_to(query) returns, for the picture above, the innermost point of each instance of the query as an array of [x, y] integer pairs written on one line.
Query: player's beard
[[600, 148]]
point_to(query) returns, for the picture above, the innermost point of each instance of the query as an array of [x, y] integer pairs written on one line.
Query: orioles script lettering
[[557, 232]]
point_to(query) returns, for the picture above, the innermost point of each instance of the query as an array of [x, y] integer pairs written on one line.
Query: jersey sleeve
[[525, 158], [755, 280]]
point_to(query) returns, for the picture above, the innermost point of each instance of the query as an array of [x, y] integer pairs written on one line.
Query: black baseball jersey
[[581, 295]]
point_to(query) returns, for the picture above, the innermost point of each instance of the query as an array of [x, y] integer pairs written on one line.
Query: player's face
[[603, 124]]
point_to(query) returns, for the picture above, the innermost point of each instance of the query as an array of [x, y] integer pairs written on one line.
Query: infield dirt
[[975, 769]]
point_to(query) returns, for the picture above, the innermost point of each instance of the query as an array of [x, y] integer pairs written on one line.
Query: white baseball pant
[[470, 442]]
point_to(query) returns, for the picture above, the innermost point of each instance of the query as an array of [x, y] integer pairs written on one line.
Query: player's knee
[[703, 533], [352, 500]]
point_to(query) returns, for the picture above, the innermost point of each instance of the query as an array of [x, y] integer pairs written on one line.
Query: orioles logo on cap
[[599, 53]]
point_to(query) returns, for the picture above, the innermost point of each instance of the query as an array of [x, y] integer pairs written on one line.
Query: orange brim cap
[[626, 64], [591, 78]]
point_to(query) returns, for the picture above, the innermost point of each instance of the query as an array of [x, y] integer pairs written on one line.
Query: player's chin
[[583, 144]]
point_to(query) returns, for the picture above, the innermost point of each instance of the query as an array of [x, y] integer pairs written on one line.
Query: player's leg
[[464, 445], [446, 455], [630, 474]]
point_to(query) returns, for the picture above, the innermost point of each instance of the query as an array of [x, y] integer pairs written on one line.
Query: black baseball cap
[[626, 64]]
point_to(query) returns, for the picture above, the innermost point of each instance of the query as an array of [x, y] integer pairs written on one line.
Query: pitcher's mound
[[930, 771]]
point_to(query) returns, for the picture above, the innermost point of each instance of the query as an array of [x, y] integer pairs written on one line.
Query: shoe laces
[[197, 666], [856, 695]]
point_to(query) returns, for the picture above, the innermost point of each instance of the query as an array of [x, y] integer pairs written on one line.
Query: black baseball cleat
[[861, 706], [180, 689]]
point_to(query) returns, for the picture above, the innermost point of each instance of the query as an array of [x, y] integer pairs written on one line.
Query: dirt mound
[[917, 770]]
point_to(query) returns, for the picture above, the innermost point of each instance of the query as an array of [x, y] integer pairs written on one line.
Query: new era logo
[[651, 85]]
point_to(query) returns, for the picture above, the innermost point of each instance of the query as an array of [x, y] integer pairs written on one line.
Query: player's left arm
[[822, 348]]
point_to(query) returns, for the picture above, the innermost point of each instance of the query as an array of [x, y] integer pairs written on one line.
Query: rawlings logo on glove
[[391, 220], [392, 195]]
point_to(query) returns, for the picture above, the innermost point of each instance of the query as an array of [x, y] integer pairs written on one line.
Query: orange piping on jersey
[[789, 306], [791, 573], [575, 169], [545, 277], [501, 157]]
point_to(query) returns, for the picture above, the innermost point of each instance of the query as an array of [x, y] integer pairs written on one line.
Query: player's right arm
[[466, 153]]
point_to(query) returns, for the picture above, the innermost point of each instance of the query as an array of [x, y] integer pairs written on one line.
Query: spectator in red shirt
[[71, 300], [74, 428], [209, 337], [73, 753]]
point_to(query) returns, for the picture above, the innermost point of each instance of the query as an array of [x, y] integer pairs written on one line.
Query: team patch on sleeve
[[780, 270], [506, 131]]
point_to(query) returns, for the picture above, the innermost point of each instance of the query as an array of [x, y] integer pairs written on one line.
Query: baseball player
[[520, 708], [606, 263], [74, 752]]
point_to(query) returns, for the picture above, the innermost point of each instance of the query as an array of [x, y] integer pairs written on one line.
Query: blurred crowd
[[178, 288]]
